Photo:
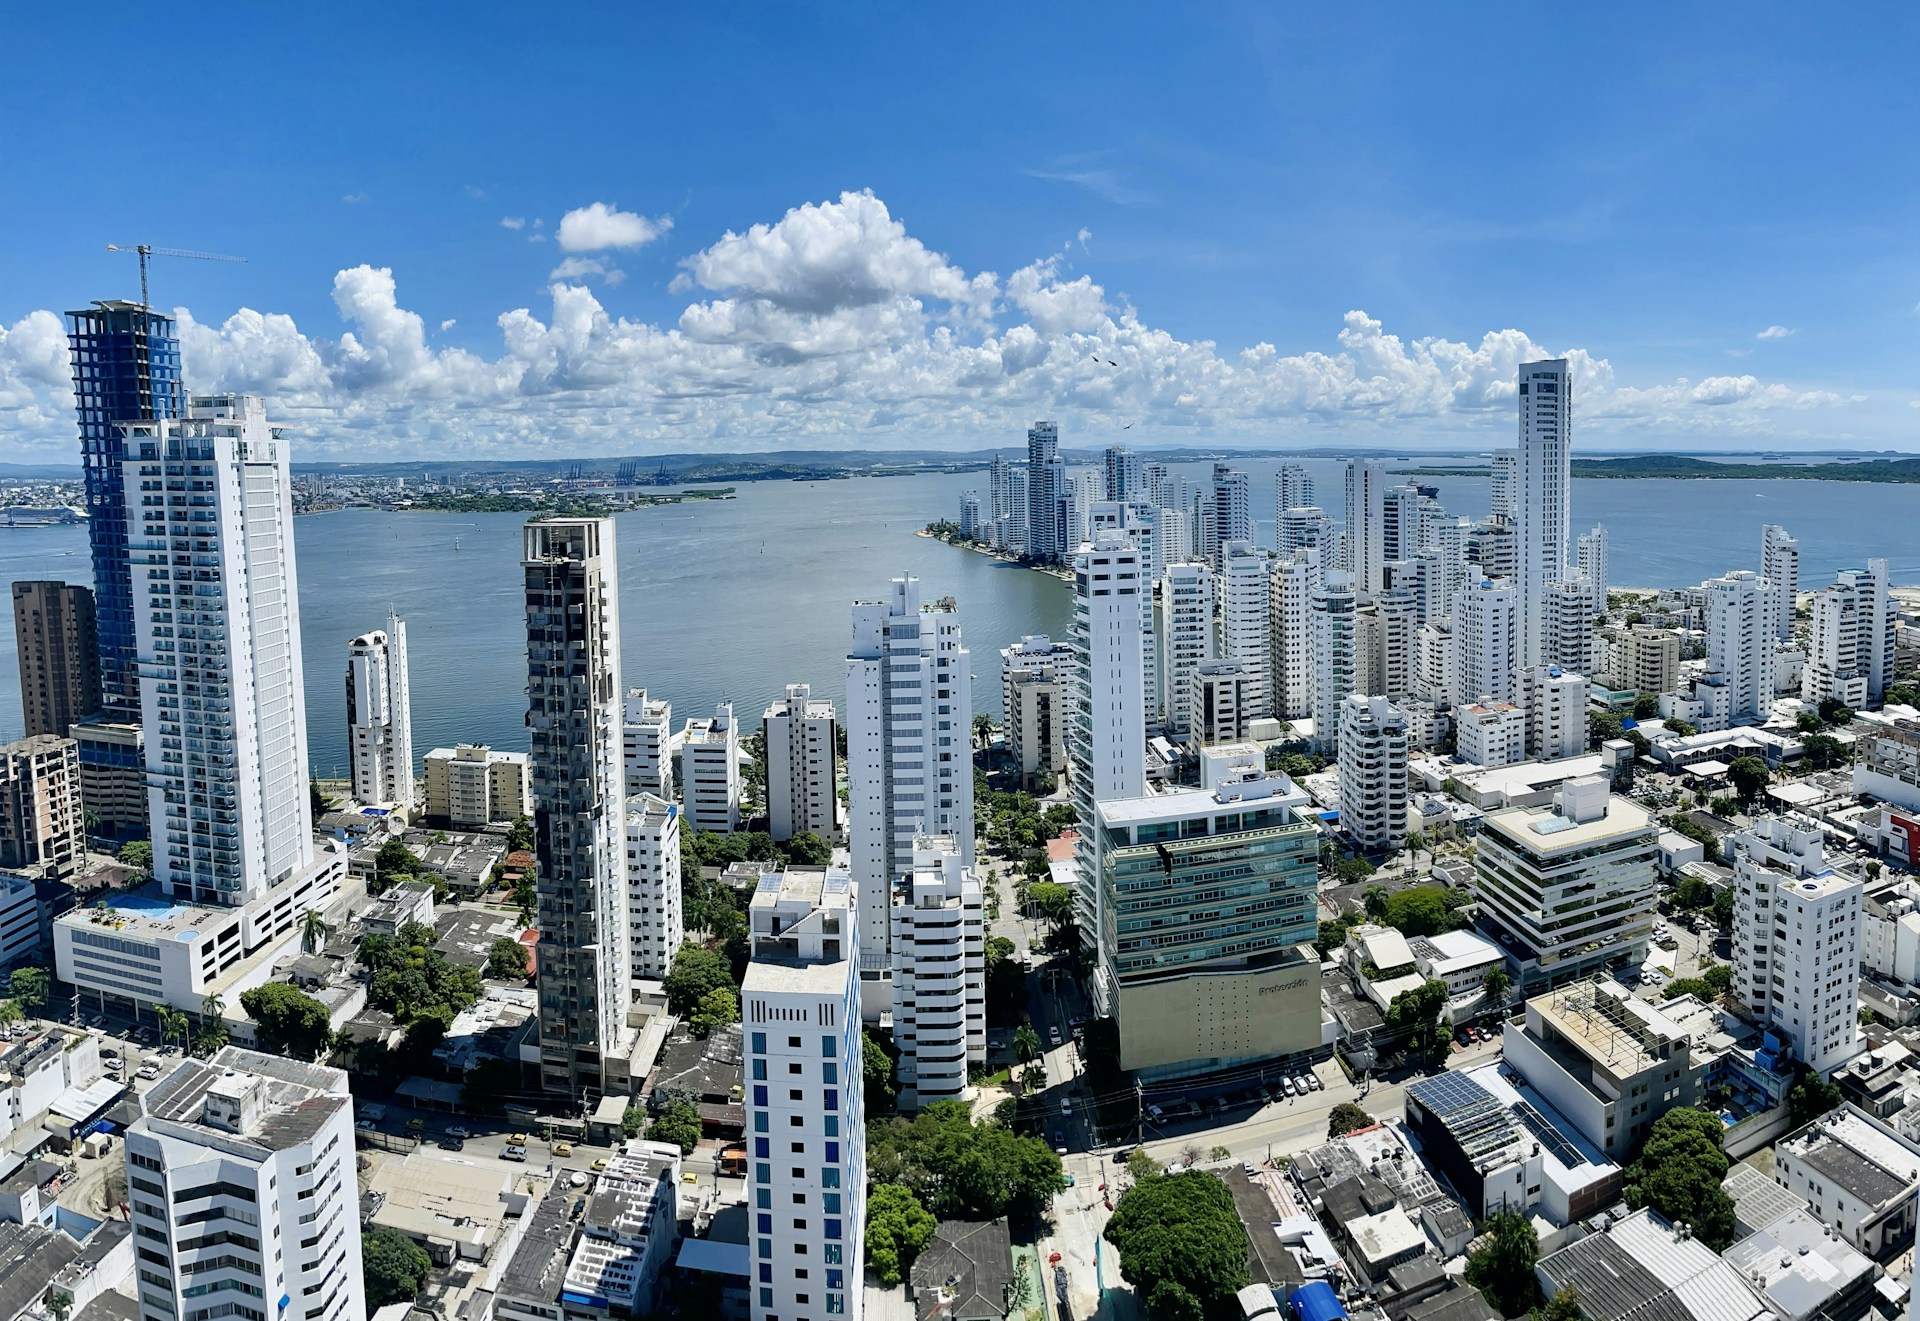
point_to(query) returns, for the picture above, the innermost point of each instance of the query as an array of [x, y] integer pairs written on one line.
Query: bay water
[[735, 599]]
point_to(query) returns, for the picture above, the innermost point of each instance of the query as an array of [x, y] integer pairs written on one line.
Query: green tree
[[1420, 910], [317, 802], [1824, 751], [1351, 871], [520, 835], [1678, 1174], [1374, 901], [1502, 1267], [1692, 892], [807, 849], [1347, 1118], [877, 1073], [717, 1008], [10, 1013], [1646, 706], [1141, 1166], [507, 960], [1180, 1229], [30, 986], [1051, 902], [897, 1228], [1602, 727], [1332, 935], [960, 1169], [1026, 1044], [1563, 1306], [287, 1020], [1810, 1097], [394, 1267], [1722, 907], [679, 1122], [633, 1119], [1835, 712], [697, 972], [412, 980], [1684, 728], [59, 1304], [1415, 1018], [313, 932], [1749, 775], [1807, 723], [137, 854], [1497, 985]]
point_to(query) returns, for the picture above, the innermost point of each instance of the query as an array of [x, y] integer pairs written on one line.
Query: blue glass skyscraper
[[126, 368]]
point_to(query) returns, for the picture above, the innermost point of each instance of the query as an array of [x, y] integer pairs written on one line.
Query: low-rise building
[[1887, 764], [409, 901], [1490, 733], [474, 785], [628, 1232], [1858, 1177], [1032, 673], [1803, 1272], [1461, 959], [965, 1273], [1609, 1062], [1502, 1145], [455, 1210], [1644, 1266], [1568, 890]]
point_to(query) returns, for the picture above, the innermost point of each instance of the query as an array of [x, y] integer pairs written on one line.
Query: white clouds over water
[[832, 326]]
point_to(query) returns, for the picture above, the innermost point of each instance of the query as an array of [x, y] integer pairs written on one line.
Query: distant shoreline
[[1051, 570]]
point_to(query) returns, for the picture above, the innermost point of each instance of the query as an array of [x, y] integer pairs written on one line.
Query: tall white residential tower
[[379, 716]]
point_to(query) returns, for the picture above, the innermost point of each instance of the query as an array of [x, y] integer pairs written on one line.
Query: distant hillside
[[1681, 466]]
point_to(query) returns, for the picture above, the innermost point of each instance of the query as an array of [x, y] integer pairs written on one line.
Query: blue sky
[[1260, 224]]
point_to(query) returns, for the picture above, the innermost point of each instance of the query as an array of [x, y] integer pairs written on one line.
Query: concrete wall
[[1200, 1018]]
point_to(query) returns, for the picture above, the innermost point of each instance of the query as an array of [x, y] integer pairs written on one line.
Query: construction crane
[[146, 250]]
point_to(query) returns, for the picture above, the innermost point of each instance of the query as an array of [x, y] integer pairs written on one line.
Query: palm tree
[[213, 1009], [1498, 985], [982, 731], [1026, 1044], [172, 1023], [1375, 900], [10, 1013], [313, 932]]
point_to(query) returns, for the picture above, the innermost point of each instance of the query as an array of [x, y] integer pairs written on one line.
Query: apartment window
[[829, 1047], [793, 1043], [762, 1147], [759, 1043]]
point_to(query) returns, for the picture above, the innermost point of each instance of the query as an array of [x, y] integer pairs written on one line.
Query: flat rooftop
[[1543, 830], [1271, 790], [300, 1097], [1871, 1162], [1618, 1032]]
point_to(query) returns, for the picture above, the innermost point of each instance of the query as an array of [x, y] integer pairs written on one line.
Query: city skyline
[[1374, 256]]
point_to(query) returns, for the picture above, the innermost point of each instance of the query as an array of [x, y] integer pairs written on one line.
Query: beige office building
[[473, 785]]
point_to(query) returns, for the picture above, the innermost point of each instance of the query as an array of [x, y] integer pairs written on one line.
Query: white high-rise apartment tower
[[1850, 656], [1290, 589], [710, 771], [909, 750], [240, 1183], [1555, 701], [1107, 712], [805, 1110], [1245, 626], [1232, 511], [939, 973], [1737, 687], [1364, 538], [1302, 526], [1542, 483], [1570, 631], [1403, 516], [1485, 640], [1590, 565], [1373, 772], [654, 917], [1780, 566], [1123, 474], [646, 745], [802, 793], [1292, 488], [579, 790], [379, 716], [216, 614], [1183, 634], [1046, 482], [1334, 664], [1796, 940], [1503, 476]]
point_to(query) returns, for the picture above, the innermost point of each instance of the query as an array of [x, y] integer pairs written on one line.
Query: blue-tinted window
[[763, 1222], [759, 1095], [766, 1272], [833, 1230], [763, 1198], [833, 1098], [762, 1148], [833, 1151], [766, 1298], [766, 1247], [830, 1202], [831, 1254], [759, 1043], [760, 1070], [836, 1279], [830, 1177], [759, 1121], [833, 1126], [836, 1304], [829, 1047], [763, 1173]]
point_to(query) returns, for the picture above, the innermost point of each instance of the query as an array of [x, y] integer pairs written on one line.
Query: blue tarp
[[1316, 1301]]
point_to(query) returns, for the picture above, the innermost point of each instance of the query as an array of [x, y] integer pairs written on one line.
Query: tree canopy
[[1181, 1244], [697, 972], [1748, 775], [1415, 1016], [413, 980], [287, 1020], [507, 960], [897, 1228], [716, 1009], [1678, 1174], [1810, 1097], [960, 1169], [679, 1122], [1347, 1118], [1421, 910], [1502, 1267], [30, 986], [876, 1073], [394, 1267]]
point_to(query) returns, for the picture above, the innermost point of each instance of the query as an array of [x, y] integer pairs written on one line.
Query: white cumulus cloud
[[597, 227], [513, 222], [1774, 332], [833, 325]]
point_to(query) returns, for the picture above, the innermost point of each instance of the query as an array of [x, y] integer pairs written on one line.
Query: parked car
[[458, 1131], [364, 1125], [451, 1143], [513, 1151]]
